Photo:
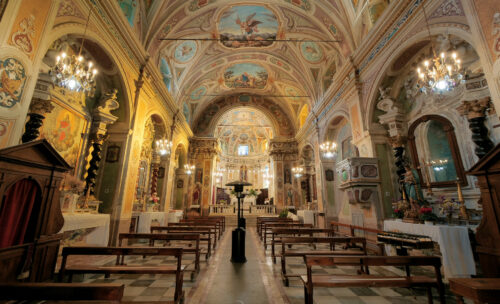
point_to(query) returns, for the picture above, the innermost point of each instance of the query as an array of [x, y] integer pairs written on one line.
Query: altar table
[[453, 241], [307, 216], [175, 216], [146, 218], [79, 221]]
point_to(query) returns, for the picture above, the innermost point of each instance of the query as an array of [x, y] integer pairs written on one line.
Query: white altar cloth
[[453, 241], [174, 216], [306, 216], [146, 218], [98, 237]]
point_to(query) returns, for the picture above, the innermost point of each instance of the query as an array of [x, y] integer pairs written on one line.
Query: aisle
[[227, 283]]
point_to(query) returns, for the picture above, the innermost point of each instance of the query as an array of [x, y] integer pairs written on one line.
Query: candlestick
[[463, 209]]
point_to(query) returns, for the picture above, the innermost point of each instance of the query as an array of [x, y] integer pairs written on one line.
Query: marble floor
[[257, 281]]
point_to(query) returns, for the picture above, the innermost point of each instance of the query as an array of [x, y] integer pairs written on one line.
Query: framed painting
[[198, 177], [113, 154], [63, 128]]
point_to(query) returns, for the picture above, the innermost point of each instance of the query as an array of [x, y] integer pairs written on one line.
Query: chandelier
[[441, 73], [329, 149], [189, 169], [163, 146], [297, 171], [72, 72]]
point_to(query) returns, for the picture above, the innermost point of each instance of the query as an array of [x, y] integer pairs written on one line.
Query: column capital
[[204, 147]]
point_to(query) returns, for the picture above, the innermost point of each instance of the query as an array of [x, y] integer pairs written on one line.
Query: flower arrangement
[[398, 213], [398, 208], [448, 206], [252, 192], [426, 214], [153, 199], [73, 184]]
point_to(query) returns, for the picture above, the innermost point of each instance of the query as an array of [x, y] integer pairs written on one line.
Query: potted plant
[[283, 213], [426, 215], [398, 213], [448, 207], [152, 204]]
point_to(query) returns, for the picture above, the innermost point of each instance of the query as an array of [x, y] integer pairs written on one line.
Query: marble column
[[101, 118], [475, 111], [39, 107]]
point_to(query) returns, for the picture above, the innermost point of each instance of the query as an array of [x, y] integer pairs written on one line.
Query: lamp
[[297, 171], [329, 149], [189, 169], [441, 73], [163, 146], [72, 72]]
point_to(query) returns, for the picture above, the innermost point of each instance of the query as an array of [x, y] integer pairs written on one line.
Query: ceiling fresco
[[286, 51]]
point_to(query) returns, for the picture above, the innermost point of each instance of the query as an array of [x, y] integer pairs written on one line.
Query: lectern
[[238, 234]]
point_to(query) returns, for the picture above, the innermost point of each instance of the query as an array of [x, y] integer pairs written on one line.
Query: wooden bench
[[204, 222], [222, 219], [152, 237], [332, 241], [373, 244], [262, 220], [211, 226], [208, 232], [294, 232], [111, 292], [119, 268], [480, 290], [366, 280], [267, 229]]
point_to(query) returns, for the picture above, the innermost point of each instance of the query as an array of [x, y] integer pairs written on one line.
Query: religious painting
[[166, 73], [113, 154], [63, 129], [128, 7], [248, 26], [198, 176], [328, 77], [6, 128], [161, 172], [180, 183], [198, 93], [376, 10], [311, 52], [246, 75], [292, 93], [12, 79], [288, 176], [185, 51]]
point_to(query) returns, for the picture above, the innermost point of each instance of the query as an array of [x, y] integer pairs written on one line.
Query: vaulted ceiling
[[208, 50]]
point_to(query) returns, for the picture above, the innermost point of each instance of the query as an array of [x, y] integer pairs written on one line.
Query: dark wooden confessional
[[30, 212]]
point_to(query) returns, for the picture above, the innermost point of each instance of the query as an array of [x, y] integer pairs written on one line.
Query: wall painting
[[248, 26], [198, 93], [63, 128], [6, 128], [129, 7], [311, 52], [166, 74], [29, 24], [12, 79], [246, 75]]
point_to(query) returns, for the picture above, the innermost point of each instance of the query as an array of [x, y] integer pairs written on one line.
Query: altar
[[307, 216], [148, 219], [453, 241], [85, 229]]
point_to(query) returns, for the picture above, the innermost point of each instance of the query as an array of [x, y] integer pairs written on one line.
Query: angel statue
[[249, 26]]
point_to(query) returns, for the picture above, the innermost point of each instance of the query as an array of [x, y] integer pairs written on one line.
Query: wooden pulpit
[[487, 171], [30, 211]]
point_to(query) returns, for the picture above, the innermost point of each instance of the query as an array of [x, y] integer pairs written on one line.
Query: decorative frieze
[[283, 149], [202, 147]]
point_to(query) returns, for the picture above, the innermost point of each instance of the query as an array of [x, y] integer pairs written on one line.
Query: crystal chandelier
[[297, 171], [441, 73], [189, 169], [163, 146], [72, 72], [329, 149]]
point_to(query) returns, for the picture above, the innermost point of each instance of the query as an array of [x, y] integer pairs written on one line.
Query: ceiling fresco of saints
[[248, 26], [245, 75]]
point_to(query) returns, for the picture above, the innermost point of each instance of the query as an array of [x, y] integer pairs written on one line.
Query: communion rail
[[252, 209]]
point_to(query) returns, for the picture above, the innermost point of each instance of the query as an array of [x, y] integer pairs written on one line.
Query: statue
[[243, 173], [412, 192], [109, 102]]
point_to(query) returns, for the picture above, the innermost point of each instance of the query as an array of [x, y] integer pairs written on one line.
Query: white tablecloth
[[174, 216], [146, 218], [98, 237], [453, 241], [306, 216]]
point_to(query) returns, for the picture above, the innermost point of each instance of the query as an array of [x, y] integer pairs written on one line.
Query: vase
[[429, 223]]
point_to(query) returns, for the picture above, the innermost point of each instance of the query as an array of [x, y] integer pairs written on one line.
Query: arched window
[[434, 152]]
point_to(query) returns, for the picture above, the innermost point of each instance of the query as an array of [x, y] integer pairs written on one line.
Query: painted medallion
[[185, 51], [198, 93], [12, 78], [311, 52]]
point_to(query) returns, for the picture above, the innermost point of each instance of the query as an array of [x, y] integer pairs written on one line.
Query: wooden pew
[[294, 232], [261, 220], [209, 227], [111, 292], [267, 228], [208, 232], [152, 237], [222, 219], [118, 268], [351, 231], [204, 222], [366, 280], [317, 240]]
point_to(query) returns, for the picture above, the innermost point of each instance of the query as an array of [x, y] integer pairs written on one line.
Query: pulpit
[[487, 171], [30, 211]]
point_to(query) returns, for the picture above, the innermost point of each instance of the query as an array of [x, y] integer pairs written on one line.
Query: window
[[243, 150]]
